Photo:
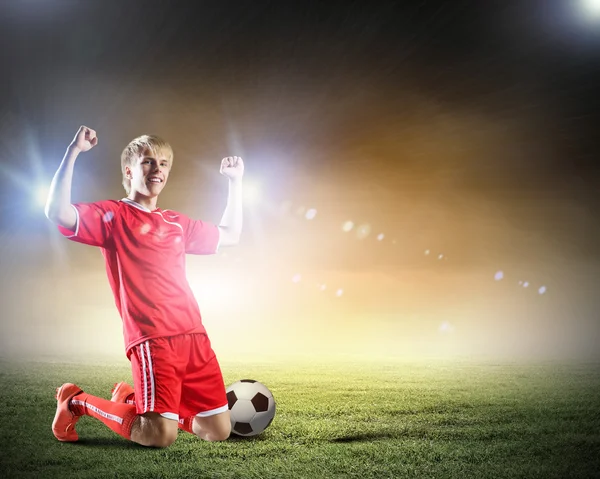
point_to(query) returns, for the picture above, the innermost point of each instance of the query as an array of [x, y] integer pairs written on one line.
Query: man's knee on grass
[[151, 429], [213, 428]]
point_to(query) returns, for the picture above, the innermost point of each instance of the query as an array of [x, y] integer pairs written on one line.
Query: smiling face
[[148, 173], [145, 163]]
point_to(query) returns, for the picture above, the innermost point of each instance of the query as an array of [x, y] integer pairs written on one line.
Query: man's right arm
[[58, 206]]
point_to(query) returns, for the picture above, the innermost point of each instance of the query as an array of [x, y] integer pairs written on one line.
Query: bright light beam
[[592, 7], [252, 192], [41, 195]]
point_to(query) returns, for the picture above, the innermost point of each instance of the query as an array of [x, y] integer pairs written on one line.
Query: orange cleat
[[64, 422], [120, 392]]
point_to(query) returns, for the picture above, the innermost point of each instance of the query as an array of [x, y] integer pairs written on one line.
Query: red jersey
[[145, 253]]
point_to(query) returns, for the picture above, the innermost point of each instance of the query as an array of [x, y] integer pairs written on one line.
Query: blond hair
[[136, 147]]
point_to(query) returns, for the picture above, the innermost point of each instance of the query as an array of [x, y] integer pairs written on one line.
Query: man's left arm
[[230, 227]]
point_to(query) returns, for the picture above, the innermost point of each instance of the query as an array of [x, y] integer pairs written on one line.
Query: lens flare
[[446, 327], [310, 214], [363, 231]]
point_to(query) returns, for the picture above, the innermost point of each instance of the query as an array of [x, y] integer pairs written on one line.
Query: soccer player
[[176, 375]]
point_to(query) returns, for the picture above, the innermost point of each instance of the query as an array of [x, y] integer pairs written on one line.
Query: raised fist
[[85, 139], [232, 167]]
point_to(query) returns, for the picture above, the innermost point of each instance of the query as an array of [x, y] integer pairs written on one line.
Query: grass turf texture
[[399, 419]]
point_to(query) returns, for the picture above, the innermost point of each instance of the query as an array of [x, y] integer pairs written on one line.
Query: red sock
[[186, 424], [117, 416]]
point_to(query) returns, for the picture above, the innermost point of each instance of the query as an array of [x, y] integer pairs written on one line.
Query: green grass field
[[334, 419]]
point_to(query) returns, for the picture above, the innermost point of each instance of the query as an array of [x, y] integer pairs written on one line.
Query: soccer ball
[[251, 406]]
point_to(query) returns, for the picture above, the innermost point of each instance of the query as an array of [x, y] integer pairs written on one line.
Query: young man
[[177, 378]]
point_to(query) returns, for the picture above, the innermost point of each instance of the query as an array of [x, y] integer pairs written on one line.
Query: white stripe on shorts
[[170, 415], [144, 376], [151, 372], [212, 412]]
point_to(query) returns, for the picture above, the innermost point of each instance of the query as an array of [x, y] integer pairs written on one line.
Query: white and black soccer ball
[[251, 406]]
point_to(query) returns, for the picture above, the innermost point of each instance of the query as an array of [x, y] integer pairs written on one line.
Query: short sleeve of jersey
[[94, 223], [201, 237]]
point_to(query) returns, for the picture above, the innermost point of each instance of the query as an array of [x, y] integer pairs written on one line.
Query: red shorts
[[177, 376]]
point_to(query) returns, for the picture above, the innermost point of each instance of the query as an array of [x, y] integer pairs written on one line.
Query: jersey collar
[[137, 205]]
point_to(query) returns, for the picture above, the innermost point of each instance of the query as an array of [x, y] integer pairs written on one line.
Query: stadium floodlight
[[252, 192], [592, 7], [41, 195]]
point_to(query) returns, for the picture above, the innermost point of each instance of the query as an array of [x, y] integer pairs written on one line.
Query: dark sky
[[497, 96], [466, 126]]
